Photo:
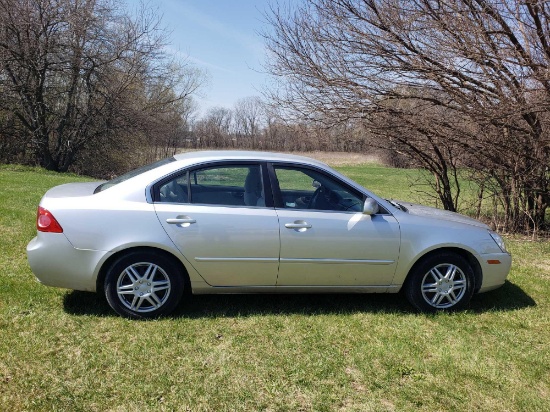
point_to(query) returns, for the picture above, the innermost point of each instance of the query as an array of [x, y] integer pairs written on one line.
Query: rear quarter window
[[132, 173]]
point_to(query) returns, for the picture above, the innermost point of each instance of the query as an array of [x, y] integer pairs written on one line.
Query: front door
[[326, 240]]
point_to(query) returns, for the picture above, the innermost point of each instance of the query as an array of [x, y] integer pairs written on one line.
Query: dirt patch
[[331, 158], [341, 158]]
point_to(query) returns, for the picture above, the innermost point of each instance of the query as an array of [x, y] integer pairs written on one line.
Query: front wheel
[[143, 285], [441, 282]]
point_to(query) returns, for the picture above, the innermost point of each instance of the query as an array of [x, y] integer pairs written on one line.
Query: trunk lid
[[72, 190]]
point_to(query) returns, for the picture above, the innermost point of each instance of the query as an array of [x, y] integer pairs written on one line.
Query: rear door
[[222, 221]]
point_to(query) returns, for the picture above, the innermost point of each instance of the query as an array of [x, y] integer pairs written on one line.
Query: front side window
[[303, 188], [228, 185]]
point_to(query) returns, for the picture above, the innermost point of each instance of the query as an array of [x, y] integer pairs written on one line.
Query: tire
[[441, 282], [144, 285]]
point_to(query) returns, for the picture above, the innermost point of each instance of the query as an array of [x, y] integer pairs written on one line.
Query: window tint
[[303, 188], [174, 191], [293, 179], [239, 185], [231, 176]]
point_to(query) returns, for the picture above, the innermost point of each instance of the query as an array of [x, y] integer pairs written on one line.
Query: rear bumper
[[494, 274], [55, 262]]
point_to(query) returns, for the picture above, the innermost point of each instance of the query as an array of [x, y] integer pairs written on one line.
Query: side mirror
[[370, 207], [316, 184]]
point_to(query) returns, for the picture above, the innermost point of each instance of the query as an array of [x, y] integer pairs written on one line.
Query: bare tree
[[77, 71], [248, 113], [214, 129], [448, 80]]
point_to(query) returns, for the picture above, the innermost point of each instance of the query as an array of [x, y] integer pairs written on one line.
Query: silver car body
[[245, 249]]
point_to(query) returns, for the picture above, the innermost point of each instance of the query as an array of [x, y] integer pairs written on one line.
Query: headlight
[[498, 240]]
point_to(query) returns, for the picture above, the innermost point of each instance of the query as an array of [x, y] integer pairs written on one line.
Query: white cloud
[[199, 62]]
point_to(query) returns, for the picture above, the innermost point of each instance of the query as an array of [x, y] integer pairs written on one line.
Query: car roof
[[220, 155]]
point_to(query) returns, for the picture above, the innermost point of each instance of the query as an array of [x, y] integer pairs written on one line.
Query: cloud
[[178, 54]]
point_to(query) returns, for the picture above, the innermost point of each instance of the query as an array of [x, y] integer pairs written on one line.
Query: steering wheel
[[325, 199], [314, 197], [353, 207], [321, 199]]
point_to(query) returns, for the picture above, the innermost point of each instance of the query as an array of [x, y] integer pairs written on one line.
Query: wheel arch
[[468, 256], [100, 281]]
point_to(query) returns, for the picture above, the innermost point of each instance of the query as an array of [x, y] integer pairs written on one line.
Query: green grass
[[405, 184], [383, 181], [63, 350]]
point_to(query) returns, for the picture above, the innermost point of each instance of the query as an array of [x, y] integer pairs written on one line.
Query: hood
[[434, 213]]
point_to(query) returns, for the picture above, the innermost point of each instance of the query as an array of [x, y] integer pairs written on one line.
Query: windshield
[[132, 173]]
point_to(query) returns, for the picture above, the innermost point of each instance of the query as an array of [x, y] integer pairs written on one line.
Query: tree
[[248, 115], [214, 129], [77, 71], [451, 81]]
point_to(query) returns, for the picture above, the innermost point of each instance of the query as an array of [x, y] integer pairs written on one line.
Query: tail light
[[45, 222]]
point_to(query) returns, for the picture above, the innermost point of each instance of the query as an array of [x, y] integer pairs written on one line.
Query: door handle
[[299, 225], [181, 221]]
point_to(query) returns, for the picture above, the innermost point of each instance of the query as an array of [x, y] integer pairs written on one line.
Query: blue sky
[[222, 37]]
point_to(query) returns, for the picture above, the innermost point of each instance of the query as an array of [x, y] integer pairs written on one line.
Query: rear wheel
[[441, 282], [144, 284]]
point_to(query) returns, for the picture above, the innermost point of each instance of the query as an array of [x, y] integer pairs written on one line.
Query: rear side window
[[227, 185], [221, 177], [175, 190]]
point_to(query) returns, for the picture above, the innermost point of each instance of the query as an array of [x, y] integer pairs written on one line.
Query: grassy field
[[66, 351]]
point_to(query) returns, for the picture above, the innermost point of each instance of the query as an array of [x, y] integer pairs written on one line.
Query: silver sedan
[[252, 222]]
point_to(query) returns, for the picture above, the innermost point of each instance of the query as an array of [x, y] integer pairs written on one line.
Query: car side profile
[[254, 222]]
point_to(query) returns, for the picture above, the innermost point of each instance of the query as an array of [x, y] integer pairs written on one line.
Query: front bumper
[[494, 274]]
